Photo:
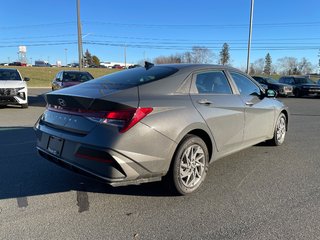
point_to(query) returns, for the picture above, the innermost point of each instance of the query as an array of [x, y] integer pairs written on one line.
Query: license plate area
[[55, 145]]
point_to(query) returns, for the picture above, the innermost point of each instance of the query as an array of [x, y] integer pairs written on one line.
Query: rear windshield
[[136, 76], [9, 74]]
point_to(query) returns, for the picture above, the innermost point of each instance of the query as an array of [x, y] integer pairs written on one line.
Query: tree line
[[200, 55], [284, 66]]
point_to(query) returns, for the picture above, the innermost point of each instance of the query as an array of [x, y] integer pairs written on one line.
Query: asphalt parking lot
[[260, 193]]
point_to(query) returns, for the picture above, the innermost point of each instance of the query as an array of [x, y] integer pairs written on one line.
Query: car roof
[[195, 66], [9, 69], [74, 71]]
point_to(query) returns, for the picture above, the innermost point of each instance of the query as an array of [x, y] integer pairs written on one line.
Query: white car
[[13, 89]]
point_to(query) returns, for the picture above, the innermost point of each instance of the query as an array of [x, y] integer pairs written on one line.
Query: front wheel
[[280, 131], [190, 165], [24, 105]]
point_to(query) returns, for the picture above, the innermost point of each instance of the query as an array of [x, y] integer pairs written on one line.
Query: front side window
[[303, 81], [245, 85], [214, 82]]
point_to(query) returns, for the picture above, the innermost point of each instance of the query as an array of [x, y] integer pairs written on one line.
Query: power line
[[36, 25], [211, 26], [182, 26]]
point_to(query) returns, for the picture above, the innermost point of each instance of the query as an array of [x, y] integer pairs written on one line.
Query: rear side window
[[214, 82], [136, 76]]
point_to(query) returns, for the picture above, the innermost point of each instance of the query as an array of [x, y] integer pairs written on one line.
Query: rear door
[[223, 111]]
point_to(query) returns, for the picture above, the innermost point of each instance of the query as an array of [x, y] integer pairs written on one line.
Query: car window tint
[[9, 74], [76, 77], [212, 82], [245, 85], [136, 76]]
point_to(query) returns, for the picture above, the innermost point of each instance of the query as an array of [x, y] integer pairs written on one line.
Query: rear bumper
[[85, 172], [117, 163]]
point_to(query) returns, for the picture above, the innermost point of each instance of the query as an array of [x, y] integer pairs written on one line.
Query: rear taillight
[[123, 119]]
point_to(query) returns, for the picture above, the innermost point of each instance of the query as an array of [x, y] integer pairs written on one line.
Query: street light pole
[[66, 52], [250, 35], [125, 56], [80, 52]]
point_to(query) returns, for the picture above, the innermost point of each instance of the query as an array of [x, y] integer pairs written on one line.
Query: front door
[[222, 110]]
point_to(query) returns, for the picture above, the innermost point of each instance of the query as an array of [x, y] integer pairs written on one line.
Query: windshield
[[9, 74], [76, 76], [271, 80], [135, 77], [303, 80]]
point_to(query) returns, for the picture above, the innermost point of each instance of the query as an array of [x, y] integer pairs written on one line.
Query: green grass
[[43, 76]]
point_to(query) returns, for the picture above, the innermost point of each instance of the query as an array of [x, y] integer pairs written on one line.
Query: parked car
[[134, 66], [13, 89], [65, 79], [158, 121], [117, 66], [281, 89], [301, 85]]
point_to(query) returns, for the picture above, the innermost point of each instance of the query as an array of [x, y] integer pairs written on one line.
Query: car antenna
[[148, 65]]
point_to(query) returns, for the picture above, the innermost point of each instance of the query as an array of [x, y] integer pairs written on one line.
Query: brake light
[[124, 119]]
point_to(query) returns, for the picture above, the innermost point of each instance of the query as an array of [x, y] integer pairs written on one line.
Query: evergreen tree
[[267, 64], [96, 61], [88, 58], [224, 54]]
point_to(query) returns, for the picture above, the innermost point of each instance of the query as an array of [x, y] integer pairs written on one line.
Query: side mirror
[[26, 79], [270, 93], [58, 79]]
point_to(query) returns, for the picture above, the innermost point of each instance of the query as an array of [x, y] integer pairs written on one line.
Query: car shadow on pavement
[[37, 101], [24, 173]]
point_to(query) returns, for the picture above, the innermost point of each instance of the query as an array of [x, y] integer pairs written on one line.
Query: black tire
[[187, 175], [280, 130], [25, 105], [297, 93]]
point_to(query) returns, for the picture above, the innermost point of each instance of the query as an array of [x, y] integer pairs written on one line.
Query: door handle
[[205, 102], [250, 104]]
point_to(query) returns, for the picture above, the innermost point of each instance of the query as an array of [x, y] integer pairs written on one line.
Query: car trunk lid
[[77, 109]]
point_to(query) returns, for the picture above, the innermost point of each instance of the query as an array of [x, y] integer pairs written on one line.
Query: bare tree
[[305, 66], [187, 57], [197, 55], [288, 65], [201, 55], [177, 58], [257, 66]]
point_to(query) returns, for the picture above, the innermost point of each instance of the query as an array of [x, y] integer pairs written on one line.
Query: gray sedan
[[158, 122]]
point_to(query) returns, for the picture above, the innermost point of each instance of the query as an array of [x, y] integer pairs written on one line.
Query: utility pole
[[250, 35], [80, 52], [125, 56], [319, 62], [66, 53]]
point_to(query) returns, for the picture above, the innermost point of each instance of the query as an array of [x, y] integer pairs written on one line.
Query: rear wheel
[[190, 165], [279, 131]]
